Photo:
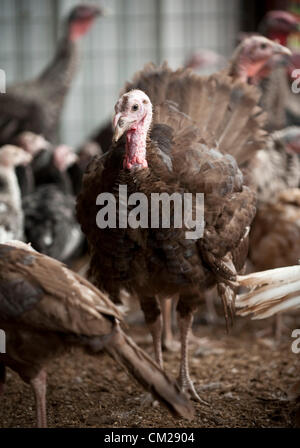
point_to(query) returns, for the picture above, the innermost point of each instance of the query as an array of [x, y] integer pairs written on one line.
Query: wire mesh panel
[[136, 32], [187, 26]]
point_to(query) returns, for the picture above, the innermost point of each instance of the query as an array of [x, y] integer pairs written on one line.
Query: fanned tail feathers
[[225, 110]]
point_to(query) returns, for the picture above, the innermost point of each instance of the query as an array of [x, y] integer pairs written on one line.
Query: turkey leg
[[153, 319], [185, 319], [39, 386], [168, 341]]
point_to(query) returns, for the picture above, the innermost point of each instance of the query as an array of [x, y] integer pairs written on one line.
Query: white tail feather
[[272, 291]]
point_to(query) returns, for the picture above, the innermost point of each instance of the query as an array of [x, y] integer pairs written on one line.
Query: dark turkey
[[50, 223], [192, 144]]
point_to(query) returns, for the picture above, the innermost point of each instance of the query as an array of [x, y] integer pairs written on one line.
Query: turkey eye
[[263, 46], [135, 107]]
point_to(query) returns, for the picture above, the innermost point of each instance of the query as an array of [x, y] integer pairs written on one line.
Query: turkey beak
[[121, 124], [280, 49]]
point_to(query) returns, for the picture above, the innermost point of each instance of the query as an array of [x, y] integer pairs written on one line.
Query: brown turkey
[[37, 105], [247, 61], [244, 65], [45, 309], [194, 146], [281, 103]]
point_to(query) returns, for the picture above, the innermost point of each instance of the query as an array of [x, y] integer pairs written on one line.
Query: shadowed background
[[134, 33]]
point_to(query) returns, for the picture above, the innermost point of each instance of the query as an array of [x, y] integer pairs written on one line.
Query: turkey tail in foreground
[[143, 368], [271, 292]]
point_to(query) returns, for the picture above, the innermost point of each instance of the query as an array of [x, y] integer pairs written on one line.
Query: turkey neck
[[243, 68], [57, 77], [136, 145]]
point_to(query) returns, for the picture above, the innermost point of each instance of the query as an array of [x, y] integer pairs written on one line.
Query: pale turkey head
[[32, 143], [64, 157], [133, 116], [133, 113], [254, 53], [11, 156]]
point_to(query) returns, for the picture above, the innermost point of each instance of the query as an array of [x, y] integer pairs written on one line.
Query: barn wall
[[137, 31]]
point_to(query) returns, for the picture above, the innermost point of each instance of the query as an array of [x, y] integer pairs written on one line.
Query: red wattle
[[79, 28]]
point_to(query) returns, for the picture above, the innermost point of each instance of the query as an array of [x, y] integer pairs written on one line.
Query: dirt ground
[[243, 376]]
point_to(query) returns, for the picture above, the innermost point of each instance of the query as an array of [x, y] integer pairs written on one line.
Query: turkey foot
[[187, 386]]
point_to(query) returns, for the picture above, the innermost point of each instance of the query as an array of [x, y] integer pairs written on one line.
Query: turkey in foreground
[[187, 148], [45, 309]]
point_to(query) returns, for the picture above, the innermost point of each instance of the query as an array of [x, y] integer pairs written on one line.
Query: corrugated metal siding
[[137, 31]]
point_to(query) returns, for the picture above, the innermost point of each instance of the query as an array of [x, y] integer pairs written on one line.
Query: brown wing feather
[[68, 303]]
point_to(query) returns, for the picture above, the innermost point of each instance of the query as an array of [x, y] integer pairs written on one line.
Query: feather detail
[[271, 291]]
